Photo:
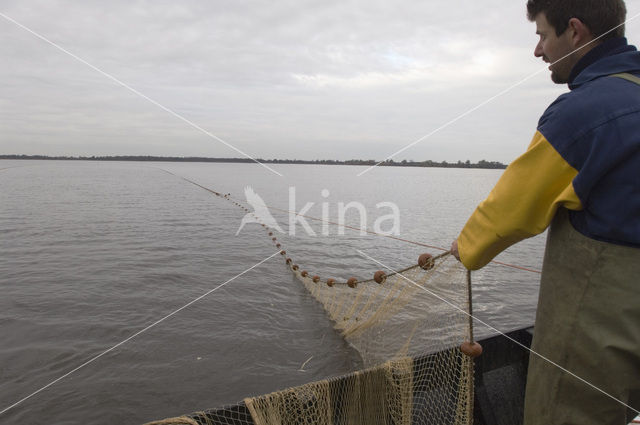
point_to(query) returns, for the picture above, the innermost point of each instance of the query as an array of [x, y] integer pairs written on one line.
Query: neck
[[593, 52]]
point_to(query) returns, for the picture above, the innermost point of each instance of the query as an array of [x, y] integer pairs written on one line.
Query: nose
[[538, 52]]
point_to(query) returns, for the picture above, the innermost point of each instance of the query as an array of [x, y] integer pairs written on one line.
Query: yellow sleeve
[[521, 205]]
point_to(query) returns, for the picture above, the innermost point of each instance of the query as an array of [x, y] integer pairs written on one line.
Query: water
[[94, 252]]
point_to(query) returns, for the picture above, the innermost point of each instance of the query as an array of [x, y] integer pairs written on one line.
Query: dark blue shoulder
[[574, 115]]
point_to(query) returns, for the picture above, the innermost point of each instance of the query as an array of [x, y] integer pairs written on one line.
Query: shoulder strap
[[628, 77]]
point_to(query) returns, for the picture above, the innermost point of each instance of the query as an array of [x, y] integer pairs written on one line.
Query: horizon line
[[484, 164]]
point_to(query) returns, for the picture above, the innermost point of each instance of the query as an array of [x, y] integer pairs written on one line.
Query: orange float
[[379, 276], [426, 262], [471, 349]]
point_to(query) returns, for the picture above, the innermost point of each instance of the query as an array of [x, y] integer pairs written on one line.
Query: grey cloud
[[290, 79]]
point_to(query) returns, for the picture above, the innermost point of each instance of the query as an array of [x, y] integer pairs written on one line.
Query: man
[[581, 174]]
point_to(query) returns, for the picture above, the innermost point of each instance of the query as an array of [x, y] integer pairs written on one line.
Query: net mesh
[[408, 329]]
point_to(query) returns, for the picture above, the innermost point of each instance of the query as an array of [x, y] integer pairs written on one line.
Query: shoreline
[[482, 164]]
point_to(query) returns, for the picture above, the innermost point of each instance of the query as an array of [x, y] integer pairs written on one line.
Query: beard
[[561, 70], [557, 78]]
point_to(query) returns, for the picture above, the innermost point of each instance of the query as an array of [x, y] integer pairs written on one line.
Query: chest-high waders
[[588, 322]]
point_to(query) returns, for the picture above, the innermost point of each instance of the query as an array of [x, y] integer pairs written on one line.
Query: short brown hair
[[600, 16]]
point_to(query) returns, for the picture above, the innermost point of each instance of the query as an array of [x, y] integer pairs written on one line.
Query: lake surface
[[93, 252]]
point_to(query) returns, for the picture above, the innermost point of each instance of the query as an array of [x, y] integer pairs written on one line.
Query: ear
[[580, 34]]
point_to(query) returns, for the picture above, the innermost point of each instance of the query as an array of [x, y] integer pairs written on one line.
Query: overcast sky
[[277, 79]]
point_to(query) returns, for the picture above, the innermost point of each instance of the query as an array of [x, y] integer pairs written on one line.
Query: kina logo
[[261, 213]]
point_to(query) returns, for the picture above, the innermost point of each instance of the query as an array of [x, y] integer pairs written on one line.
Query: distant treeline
[[366, 162]]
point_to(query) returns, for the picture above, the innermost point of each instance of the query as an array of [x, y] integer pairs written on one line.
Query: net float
[[316, 279], [471, 349], [288, 260], [352, 282], [295, 267], [331, 282], [304, 273], [379, 276], [426, 262]]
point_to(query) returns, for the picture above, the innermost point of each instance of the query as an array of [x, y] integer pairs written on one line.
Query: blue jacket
[[585, 156]]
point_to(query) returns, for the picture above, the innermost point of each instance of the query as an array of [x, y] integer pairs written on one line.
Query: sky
[[274, 79]]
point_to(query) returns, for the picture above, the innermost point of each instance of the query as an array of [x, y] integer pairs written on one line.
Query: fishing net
[[408, 327]]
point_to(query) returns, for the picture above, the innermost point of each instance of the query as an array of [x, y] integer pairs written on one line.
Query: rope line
[[352, 282], [470, 302], [513, 266], [398, 239]]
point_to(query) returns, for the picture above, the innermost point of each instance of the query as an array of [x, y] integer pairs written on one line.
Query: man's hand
[[454, 249]]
